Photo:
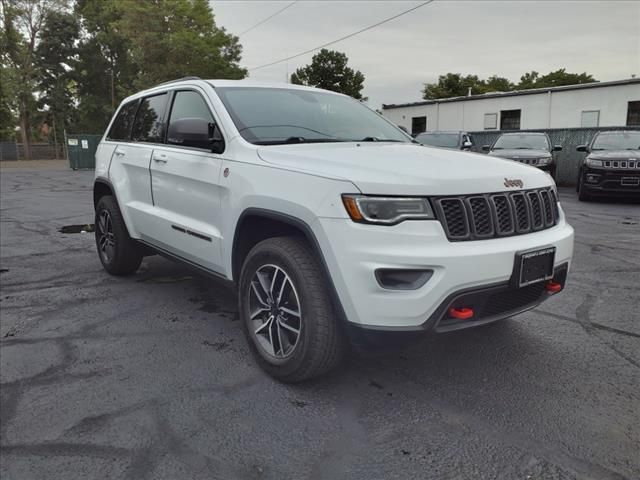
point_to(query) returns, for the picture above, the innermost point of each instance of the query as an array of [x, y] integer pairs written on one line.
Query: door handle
[[160, 158], [119, 152]]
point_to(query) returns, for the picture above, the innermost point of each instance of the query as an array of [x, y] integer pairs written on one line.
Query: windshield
[[272, 116], [522, 142], [447, 140], [617, 141]]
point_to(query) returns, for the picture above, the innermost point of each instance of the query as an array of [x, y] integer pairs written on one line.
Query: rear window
[[121, 128], [149, 123]]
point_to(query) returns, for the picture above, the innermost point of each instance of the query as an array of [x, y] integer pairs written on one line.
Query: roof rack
[[179, 80]]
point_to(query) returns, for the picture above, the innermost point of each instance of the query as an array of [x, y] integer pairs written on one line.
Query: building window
[[418, 125], [490, 121], [510, 120], [590, 118], [633, 114]]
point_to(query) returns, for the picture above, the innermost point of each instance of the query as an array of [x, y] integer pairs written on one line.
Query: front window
[[522, 142], [274, 116], [617, 141], [444, 140]]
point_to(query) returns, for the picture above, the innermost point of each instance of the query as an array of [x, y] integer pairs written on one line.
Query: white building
[[601, 104]]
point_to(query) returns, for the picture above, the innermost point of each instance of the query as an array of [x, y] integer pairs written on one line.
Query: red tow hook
[[461, 313], [553, 287]]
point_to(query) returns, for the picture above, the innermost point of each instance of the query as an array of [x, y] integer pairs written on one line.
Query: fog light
[[396, 279], [593, 178]]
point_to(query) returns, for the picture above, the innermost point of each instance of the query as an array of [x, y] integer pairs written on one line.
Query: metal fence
[[39, 151], [568, 159]]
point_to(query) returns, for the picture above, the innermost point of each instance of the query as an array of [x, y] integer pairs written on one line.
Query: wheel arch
[[102, 187], [268, 224]]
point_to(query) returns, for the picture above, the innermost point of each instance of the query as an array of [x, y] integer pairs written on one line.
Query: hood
[[518, 153], [615, 155], [404, 169]]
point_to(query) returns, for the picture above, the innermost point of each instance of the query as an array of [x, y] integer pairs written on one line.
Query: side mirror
[[582, 148], [216, 140], [486, 148], [467, 145], [557, 148], [197, 133]]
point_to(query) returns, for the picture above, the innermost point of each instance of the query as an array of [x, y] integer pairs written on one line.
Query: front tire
[[118, 252], [286, 311], [582, 195]]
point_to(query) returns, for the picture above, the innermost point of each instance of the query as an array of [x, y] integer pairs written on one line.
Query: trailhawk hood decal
[[404, 169]]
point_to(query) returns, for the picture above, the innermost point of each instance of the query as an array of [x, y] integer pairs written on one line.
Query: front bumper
[[356, 251], [611, 182]]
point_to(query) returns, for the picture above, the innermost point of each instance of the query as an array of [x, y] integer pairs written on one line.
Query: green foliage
[[329, 70], [557, 78], [174, 38], [55, 59], [456, 85], [72, 68]]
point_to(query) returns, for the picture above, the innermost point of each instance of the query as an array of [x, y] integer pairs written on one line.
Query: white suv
[[325, 216]]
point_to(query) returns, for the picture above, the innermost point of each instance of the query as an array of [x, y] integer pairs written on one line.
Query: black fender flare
[[310, 237]]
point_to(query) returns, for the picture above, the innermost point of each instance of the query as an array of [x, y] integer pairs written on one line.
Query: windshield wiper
[[376, 139], [295, 140]]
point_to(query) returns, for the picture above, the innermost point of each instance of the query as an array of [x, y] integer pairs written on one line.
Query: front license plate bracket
[[533, 266]]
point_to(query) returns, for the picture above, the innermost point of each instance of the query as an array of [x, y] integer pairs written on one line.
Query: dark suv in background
[[525, 147], [450, 140], [612, 165]]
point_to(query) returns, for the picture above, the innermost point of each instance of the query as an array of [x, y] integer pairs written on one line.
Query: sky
[[505, 38]]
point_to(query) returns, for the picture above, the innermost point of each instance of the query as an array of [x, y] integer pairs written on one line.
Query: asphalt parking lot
[[149, 377]]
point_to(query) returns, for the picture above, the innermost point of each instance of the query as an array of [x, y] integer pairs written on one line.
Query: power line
[[268, 18], [343, 38]]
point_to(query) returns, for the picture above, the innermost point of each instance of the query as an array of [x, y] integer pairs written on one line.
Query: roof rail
[[178, 80]]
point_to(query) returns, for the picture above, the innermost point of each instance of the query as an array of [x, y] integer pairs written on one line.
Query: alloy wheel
[[275, 316], [106, 238]]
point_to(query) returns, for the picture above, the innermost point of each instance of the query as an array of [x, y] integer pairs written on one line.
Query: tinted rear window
[[149, 124], [121, 128]]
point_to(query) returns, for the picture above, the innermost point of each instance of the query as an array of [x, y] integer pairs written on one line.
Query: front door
[[186, 191]]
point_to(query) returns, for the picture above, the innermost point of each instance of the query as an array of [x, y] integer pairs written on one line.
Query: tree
[[128, 46], [7, 116], [498, 84], [453, 85], [457, 85], [329, 70], [55, 58], [171, 39], [23, 21], [557, 78], [105, 72]]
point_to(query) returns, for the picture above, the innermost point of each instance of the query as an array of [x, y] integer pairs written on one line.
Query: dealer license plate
[[534, 266]]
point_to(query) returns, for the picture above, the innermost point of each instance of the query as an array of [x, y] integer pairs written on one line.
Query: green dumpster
[[81, 150]]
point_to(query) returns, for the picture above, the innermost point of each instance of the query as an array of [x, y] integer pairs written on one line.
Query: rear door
[[186, 191], [129, 170]]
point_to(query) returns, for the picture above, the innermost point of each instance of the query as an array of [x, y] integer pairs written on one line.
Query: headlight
[[544, 161], [593, 163], [387, 210]]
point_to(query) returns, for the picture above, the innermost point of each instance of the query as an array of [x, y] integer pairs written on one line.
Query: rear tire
[[283, 291], [118, 252]]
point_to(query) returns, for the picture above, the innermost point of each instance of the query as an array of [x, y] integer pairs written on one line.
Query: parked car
[[450, 140], [323, 216], [526, 147], [612, 165]]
